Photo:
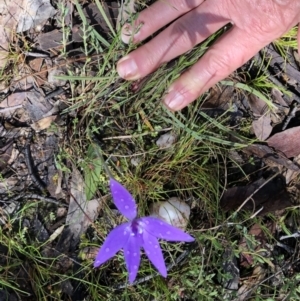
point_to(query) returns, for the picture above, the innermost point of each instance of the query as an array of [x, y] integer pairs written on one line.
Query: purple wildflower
[[139, 233]]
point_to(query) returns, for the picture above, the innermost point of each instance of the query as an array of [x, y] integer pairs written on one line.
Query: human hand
[[256, 23]]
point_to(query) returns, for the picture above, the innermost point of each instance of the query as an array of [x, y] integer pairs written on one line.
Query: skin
[[256, 23]]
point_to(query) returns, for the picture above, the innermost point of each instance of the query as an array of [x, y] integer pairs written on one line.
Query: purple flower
[[139, 233]]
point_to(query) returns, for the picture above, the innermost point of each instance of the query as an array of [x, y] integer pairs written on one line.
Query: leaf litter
[[36, 112]]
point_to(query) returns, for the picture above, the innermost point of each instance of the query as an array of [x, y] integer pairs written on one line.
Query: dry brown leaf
[[52, 39], [290, 175], [262, 127], [250, 285], [246, 257], [36, 106], [277, 98], [272, 197], [81, 213], [13, 100], [258, 106], [43, 123], [270, 157], [18, 16], [6, 154], [219, 97], [287, 142]]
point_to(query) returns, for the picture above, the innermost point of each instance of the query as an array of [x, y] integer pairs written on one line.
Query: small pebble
[[174, 211], [135, 161], [166, 140]]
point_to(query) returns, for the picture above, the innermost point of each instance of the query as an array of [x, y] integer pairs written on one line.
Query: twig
[[254, 192], [57, 92], [36, 54], [33, 196], [292, 114], [4, 110], [283, 268], [137, 135]]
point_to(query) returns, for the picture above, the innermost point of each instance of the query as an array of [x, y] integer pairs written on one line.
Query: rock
[[174, 211], [166, 140]]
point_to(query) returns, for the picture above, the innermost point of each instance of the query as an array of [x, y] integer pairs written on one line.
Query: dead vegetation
[[233, 158]]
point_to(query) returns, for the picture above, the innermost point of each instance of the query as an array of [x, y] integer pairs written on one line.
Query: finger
[[298, 39], [179, 37], [231, 51], [155, 17]]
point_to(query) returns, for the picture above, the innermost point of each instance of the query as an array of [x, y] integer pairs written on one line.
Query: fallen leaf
[[32, 13], [270, 157], [36, 105], [81, 213], [52, 77], [290, 175], [43, 123], [250, 285], [287, 142], [258, 106], [39, 230], [259, 233], [262, 127], [272, 197], [19, 16], [6, 154], [219, 98], [13, 100], [277, 98]]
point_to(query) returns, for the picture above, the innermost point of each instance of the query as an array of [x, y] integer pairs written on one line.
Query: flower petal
[[163, 230], [115, 241], [154, 253], [132, 255], [123, 199]]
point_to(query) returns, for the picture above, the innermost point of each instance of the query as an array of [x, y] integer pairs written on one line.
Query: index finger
[[155, 17]]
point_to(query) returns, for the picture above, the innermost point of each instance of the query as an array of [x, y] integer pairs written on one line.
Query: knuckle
[[263, 27], [183, 38], [150, 61], [218, 64]]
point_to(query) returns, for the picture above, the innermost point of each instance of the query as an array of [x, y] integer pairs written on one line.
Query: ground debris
[[166, 140], [269, 198], [287, 142], [81, 213], [270, 156], [19, 16], [262, 127]]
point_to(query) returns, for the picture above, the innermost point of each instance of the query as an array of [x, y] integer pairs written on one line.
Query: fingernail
[[127, 68], [174, 100], [126, 34]]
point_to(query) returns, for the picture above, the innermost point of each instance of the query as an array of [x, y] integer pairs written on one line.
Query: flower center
[[136, 228]]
